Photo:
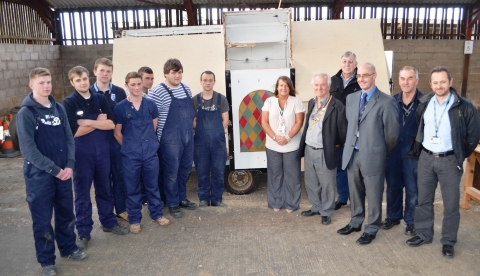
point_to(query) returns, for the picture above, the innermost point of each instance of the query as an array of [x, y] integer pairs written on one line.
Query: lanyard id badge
[[435, 140]]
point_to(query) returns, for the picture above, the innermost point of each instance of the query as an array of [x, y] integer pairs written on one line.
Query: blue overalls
[[92, 155], [116, 174], [402, 171], [177, 148], [140, 160], [46, 193], [210, 152]]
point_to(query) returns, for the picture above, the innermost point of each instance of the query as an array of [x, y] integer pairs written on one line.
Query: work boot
[[163, 221], [219, 204], [77, 255], [123, 216], [49, 270], [175, 212], [204, 203], [186, 204], [117, 230], [135, 228], [82, 242]]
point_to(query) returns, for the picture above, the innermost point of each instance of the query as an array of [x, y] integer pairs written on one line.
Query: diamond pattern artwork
[[252, 137]]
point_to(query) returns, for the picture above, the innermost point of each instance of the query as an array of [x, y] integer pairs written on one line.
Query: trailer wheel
[[239, 182]]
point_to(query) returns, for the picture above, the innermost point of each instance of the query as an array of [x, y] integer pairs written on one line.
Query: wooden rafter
[[337, 8], [45, 10], [189, 7]]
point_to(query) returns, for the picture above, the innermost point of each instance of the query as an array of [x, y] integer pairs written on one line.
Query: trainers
[[163, 221], [186, 204], [77, 255], [49, 270], [204, 203], [117, 230], [175, 212], [219, 204], [135, 228], [123, 216], [82, 242]]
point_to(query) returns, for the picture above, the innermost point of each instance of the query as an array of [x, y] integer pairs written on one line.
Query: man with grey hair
[[323, 136], [371, 136], [344, 83], [401, 172], [447, 134]]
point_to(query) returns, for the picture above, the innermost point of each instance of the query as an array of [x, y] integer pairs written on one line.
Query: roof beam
[[44, 10], [337, 8], [189, 7]]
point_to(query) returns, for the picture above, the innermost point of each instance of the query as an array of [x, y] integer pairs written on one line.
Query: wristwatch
[[274, 137]]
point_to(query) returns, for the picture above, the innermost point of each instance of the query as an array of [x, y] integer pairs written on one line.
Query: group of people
[[136, 146], [356, 137]]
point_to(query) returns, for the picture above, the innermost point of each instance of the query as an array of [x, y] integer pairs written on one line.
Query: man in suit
[[372, 134], [323, 136]]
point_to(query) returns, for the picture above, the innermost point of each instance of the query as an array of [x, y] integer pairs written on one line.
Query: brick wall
[[16, 62], [83, 55], [426, 54]]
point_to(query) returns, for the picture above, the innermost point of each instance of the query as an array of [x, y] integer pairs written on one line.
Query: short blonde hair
[[39, 72]]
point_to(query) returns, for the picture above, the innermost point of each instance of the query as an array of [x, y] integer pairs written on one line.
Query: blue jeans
[[342, 181], [401, 172]]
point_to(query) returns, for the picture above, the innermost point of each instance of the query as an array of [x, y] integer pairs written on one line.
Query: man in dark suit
[[372, 134], [323, 136]]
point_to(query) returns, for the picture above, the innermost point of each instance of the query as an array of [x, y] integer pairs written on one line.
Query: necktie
[[363, 104]]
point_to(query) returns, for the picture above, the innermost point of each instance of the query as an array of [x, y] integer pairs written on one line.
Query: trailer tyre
[[239, 182]]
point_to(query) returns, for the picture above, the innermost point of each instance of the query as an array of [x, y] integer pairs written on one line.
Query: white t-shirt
[[293, 106]]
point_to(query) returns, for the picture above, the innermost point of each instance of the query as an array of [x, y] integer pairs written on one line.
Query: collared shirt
[[369, 94], [314, 136], [347, 81], [434, 109], [112, 97]]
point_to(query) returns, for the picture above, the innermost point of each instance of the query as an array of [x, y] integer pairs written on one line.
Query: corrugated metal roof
[[68, 4]]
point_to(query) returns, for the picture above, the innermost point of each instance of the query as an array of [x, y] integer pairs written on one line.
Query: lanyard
[[407, 111], [281, 111], [437, 125]]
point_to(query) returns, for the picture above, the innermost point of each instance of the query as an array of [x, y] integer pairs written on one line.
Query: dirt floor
[[246, 238]]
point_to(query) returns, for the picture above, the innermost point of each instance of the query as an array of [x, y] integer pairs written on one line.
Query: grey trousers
[[361, 186], [432, 170], [319, 182], [283, 185]]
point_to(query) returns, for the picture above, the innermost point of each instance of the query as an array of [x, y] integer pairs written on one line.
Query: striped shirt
[[163, 100]]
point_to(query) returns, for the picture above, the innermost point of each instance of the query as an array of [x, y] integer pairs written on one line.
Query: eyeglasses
[[349, 61], [365, 75]]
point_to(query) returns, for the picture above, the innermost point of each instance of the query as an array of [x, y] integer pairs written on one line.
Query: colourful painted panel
[[252, 137]]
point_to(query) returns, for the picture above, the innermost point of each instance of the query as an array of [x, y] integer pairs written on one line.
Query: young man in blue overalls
[[210, 148], [103, 71], [175, 133], [135, 131], [48, 171], [91, 119]]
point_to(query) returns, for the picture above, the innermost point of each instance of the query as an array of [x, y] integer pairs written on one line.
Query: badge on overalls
[[112, 96]]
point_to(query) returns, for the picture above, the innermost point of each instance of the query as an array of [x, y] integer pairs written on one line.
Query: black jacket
[[337, 90], [334, 131], [464, 122]]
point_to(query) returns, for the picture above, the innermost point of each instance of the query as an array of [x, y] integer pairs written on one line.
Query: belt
[[439, 154], [314, 148]]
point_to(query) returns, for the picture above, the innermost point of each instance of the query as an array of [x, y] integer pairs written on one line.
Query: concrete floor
[[246, 238]]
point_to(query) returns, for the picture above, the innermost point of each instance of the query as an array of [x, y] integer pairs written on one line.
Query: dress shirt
[[443, 122]]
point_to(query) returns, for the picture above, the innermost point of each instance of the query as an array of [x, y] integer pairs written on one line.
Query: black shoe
[[326, 220], [366, 238], [77, 255], [186, 204], [388, 223], [82, 242], [175, 212], [339, 205], [348, 229], [218, 204], [448, 251], [49, 270], [309, 213], [416, 241], [117, 230], [410, 230], [204, 203]]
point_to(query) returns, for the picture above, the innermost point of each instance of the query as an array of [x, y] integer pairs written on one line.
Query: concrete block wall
[[82, 55], [16, 62], [426, 54]]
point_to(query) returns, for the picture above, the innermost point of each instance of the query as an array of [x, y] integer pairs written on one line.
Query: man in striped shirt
[[175, 133]]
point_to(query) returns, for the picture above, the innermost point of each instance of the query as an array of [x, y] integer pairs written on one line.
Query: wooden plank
[[468, 179]]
